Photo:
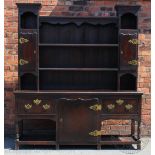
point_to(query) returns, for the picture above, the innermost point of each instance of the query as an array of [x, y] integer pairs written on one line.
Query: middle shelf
[[80, 69], [78, 57]]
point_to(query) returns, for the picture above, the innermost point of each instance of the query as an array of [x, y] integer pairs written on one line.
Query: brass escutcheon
[[95, 133], [110, 106], [28, 106], [133, 62], [128, 106], [37, 101], [23, 40], [23, 62], [119, 101], [46, 106], [96, 107]]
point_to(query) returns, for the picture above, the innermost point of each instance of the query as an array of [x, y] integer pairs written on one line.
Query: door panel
[[27, 50], [128, 49], [77, 120]]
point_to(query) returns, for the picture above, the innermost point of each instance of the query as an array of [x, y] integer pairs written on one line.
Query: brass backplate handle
[[110, 106], [46, 106], [95, 133], [119, 101], [96, 107], [37, 101], [23, 40], [129, 106], [23, 62], [28, 106], [133, 62]]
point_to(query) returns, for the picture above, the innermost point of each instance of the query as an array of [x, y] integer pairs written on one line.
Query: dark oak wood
[[74, 73]]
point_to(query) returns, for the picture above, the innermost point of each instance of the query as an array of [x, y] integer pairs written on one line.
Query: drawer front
[[120, 106], [35, 105]]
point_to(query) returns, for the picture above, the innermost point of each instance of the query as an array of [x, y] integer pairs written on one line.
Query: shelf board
[[115, 139], [80, 69], [81, 45]]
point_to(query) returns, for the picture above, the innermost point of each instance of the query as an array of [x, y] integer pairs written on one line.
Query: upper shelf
[[78, 20]]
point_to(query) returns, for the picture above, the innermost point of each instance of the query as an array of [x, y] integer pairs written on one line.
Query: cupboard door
[[27, 50], [128, 49], [77, 121]]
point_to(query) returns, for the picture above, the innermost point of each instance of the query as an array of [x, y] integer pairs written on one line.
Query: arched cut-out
[[28, 20], [28, 82], [128, 82], [128, 21]]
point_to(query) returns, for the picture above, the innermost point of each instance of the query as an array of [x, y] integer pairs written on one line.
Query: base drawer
[[120, 106], [35, 105]]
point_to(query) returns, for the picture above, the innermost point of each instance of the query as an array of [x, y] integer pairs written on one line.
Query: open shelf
[[85, 33], [128, 82], [35, 130], [78, 57], [28, 81], [77, 80], [28, 20], [128, 21]]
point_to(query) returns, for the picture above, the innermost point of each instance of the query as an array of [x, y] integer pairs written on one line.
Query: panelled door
[[128, 49], [78, 120], [27, 50]]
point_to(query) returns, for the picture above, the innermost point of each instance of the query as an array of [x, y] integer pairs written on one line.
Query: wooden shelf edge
[[80, 69], [80, 45]]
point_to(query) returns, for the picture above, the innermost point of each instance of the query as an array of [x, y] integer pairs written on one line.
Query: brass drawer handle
[[133, 41], [23, 40], [95, 133], [110, 106], [96, 107], [37, 101], [46, 106], [28, 106], [133, 62], [119, 101], [23, 62], [128, 106]]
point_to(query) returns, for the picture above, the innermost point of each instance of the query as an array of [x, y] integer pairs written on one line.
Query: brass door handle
[[95, 133], [28, 106], [37, 101], [96, 107]]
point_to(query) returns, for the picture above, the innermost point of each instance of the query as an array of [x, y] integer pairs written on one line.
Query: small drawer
[[120, 106], [35, 105]]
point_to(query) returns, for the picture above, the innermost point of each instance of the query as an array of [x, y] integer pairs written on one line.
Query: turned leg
[[139, 146], [17, 136], [138, 136], [99, 147], [132, 127], [57, 146]]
